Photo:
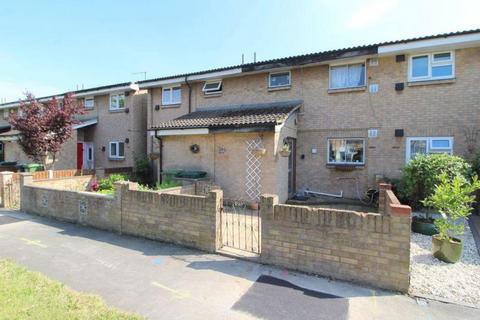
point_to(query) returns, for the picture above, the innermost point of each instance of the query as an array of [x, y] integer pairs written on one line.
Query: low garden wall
[[188, 220], [372, 248]]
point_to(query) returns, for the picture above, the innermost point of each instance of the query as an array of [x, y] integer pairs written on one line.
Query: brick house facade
[[416, 95], [104, 122]]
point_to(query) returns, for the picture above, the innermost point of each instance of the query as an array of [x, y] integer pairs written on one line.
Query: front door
[[292, 142], [88, 156], [79, 155]]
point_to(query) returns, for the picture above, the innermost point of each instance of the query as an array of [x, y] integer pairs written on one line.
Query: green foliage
[[143, 170], [475, 163], [422, 174], [168, 184], [107, 183], [453, 199]]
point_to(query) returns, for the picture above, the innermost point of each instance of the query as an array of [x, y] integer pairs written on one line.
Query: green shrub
[[453, 199], [168, 184], [143, 170], [422, 173], [107, 183]]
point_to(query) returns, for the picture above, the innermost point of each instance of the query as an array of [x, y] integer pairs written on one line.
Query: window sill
[[116, 110], [279, 88], [116, 159], [173, 105], [356, 89], [345, 166], [212, 95], [430, 82]]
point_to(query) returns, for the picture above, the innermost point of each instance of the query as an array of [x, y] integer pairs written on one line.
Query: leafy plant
[[44, 128], [168, 184], [107, 183], [422, 174], [453, 199], [143, 170]]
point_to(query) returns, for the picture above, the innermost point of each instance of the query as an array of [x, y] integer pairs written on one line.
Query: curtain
[[356, 75], [339, 77]]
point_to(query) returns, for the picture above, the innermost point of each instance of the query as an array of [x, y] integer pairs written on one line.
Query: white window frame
[[116, 156], [364, 62], [431, 63], [6, 114], [345, 163], [117, 107], [277, 73], [408, 155], [171, 102], [215, 90], [85, 103]]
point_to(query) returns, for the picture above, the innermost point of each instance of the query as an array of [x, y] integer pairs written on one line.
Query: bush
[[168, 184], [143, 170], [422, 173], [453, 199], [107, 183]]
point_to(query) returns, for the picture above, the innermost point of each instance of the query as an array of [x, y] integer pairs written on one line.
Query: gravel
[[457, 282]]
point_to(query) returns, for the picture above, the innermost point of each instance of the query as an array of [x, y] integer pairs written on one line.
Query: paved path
[[162, 281]]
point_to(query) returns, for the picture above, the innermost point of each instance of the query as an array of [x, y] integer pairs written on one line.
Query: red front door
[[79, 155]]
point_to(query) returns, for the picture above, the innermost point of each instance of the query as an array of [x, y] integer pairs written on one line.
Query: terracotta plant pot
[[447, 250], [253, 205], [285, 153], [424, 226]]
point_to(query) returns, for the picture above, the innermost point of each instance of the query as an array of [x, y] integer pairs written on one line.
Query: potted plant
[[285, 150], [453, 199], [259, 151]]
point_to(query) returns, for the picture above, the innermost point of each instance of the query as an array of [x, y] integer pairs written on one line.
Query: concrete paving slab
[[164, 281]]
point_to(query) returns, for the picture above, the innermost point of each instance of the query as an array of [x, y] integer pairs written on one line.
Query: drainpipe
[[160, 158], [189, 94]]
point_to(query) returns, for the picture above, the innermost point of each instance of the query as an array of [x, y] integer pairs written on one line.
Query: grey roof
[[234, 116], [313, 57]]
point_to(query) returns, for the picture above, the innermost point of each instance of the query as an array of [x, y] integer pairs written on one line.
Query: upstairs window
[[89, 103], [279, 79], [347, 76], [172, 95], [346, 151], [426, 145], [432, 66], [212, 87], [117, 150], [117, 101]]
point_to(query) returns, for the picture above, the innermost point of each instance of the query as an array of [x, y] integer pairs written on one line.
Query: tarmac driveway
[[163, 281]]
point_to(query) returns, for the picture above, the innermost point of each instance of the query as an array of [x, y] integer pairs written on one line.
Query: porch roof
[[234, 116]]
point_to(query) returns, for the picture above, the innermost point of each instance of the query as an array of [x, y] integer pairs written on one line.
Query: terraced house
[[110, 135], [333, 122]]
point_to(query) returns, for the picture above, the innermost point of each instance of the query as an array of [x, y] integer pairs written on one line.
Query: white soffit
[[180, 132], [446, 43], [85, 123]]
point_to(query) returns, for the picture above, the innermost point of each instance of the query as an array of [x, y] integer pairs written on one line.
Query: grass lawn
[[30, 295]]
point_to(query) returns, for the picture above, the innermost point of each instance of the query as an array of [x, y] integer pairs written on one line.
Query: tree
[[44, 128]]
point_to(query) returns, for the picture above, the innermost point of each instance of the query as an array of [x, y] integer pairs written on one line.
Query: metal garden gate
[[240, 226]]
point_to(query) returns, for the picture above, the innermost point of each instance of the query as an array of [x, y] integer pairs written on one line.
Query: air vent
[[399, 86], [398, 133], [400, 58]]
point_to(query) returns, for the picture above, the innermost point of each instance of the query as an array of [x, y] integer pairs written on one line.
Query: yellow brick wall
[[440, 109]]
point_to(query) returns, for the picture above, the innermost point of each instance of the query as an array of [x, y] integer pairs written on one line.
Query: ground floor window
[[424, 145], [346, 151], [117, 150]]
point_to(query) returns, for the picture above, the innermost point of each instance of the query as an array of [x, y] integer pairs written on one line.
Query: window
[[212, 87], [89, 103], [424, 145], [279, 79], [171, 95], [6, 113], [347, 76], [432, 66], [117, 150], [346, 151], [117, 101]]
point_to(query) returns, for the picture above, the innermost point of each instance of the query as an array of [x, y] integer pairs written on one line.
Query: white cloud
[[370, 13]]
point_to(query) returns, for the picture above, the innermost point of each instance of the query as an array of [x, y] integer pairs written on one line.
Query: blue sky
[[49, 47]]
